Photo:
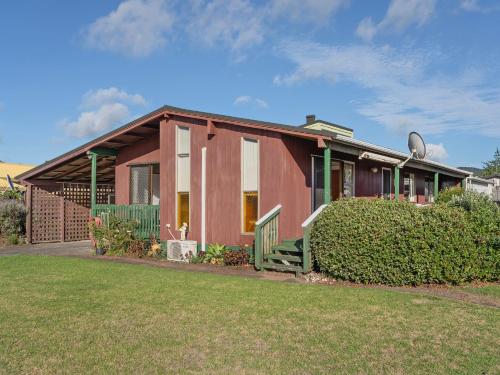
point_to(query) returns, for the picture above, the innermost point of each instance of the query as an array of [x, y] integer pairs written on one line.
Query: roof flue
[[310, 119]]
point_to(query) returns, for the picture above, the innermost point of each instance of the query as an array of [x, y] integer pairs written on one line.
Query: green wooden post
[[257, 255], [396, 183], [436, 185], [464, 183], [93, 182], [306, 250], [327, 166]]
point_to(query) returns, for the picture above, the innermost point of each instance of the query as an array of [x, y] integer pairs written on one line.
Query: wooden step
[[282, 267], [286, 248], [293, 242], [289, 258]]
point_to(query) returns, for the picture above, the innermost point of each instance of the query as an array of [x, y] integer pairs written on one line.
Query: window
[[409, 187], [250, 183], [183, 175], [144, 184], [386, 183]]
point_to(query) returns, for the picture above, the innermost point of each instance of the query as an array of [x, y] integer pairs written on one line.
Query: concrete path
[[79, 248]]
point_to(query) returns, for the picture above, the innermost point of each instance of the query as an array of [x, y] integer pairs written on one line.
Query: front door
[[341, 180]]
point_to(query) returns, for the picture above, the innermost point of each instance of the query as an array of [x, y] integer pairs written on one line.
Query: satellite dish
[[416, 145], [417, 148]]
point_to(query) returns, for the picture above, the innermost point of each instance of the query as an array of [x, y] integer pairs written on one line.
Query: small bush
[[115, 237], [12, 217], [215, 254], [448, 193], [397, 243], [136, 248], [236, 258], [14, 239]]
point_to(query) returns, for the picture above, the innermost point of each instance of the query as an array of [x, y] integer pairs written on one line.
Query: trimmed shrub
[[12, 217], [398, 243], [448, 193]]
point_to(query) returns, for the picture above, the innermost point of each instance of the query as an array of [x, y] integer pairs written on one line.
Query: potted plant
[[98, 234]]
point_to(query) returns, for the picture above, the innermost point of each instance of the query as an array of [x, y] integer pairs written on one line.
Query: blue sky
[[70, 71]]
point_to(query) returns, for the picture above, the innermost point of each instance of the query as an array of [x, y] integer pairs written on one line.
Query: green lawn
[[487, 290], [68, 315]]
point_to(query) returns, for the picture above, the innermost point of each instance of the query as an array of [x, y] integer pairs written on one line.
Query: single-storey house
[[223, 176]]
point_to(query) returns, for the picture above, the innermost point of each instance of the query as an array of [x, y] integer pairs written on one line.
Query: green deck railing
[[147, 216], [266, 235]]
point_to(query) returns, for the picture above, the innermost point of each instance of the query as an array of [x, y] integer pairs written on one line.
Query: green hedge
[[397, 243]]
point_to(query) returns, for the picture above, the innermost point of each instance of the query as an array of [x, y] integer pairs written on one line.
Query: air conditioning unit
[[181, 251]]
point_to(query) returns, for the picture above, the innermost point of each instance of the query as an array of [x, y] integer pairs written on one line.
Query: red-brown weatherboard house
[[220, 175]]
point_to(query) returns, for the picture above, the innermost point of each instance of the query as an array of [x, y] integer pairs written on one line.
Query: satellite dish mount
[[417, 148]]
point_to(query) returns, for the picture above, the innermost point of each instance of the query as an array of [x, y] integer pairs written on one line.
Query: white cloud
[[248, 100], [317, 11], [240, 24], [136, 28], [98, 121], [402, 93], [232, 23], [94, 98], [470, 5], [400, 15], [366, 29], [104, 109], [475, 6], [436, 152]]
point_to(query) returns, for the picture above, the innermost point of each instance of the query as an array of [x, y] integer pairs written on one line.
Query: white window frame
[[242, 191], [382, 182], [178, 225]]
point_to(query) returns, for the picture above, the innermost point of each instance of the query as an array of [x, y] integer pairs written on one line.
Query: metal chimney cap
[[310, 119]]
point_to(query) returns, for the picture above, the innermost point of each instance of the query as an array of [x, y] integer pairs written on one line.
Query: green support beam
[[436, 185], [102, 151], [93, 181], [464, 183], [396, 183], [327, 170]]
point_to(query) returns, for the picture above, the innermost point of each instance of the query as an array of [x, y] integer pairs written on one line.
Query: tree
[[493, 166]]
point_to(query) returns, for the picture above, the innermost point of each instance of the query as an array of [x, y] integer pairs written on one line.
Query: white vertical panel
[[183, 160], [183, 142], [183, 173], [155, 199], [250, 165]]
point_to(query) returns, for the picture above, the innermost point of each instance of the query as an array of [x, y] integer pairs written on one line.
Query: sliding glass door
[[341, 180]]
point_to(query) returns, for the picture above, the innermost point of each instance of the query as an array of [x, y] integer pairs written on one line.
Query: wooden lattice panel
[[103, 192], [47, 214], [60, 212], [77, 193], [76, 219]]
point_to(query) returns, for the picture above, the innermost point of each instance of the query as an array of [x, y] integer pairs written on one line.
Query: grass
[[68, 315], [485, 290]]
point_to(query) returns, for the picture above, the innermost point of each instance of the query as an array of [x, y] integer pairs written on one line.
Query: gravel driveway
[[78, 248]]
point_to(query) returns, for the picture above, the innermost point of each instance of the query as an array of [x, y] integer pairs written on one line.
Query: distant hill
[[476, 171]]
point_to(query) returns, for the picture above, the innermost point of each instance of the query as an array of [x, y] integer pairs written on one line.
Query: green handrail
[[266, 235], [306, 245], [147, 216]]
